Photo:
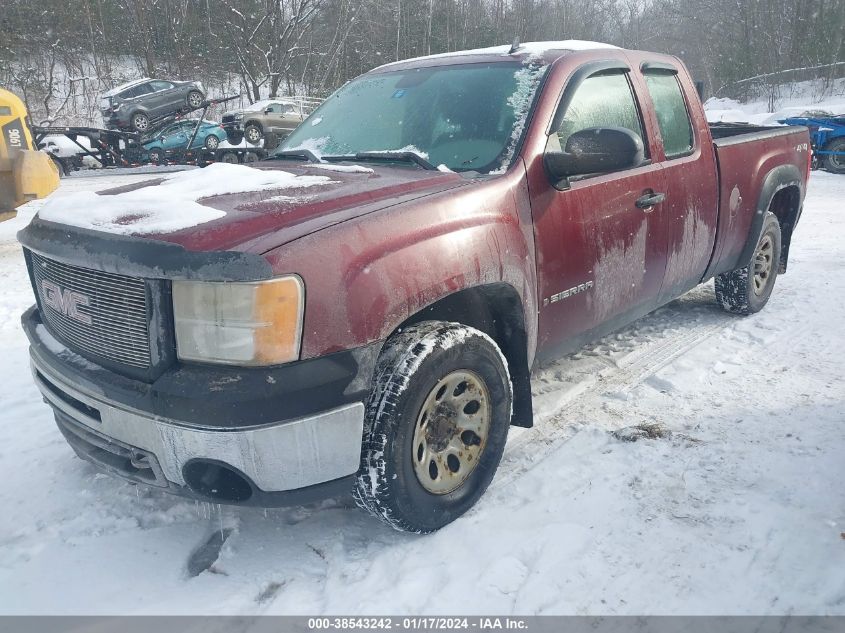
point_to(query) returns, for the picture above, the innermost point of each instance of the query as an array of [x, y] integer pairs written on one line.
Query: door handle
[[649, 200]]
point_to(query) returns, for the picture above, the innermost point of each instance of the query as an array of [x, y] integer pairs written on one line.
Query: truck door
[[275, 117], [691, 207], [164, 98], [601, 245]]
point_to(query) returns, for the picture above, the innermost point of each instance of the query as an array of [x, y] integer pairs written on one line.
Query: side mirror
[[595, 150], [268, 110]]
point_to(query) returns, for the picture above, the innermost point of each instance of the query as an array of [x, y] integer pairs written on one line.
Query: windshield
[[465, 117]]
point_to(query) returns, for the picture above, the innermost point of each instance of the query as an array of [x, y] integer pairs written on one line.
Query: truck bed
[[721, 130], [746, 155]]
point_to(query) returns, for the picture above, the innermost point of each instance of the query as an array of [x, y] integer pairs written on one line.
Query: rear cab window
[[673, 118]]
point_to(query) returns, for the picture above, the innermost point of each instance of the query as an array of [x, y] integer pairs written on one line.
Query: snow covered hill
[[732, 503]]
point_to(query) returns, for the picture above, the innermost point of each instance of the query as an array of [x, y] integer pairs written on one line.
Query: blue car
[[175, 137]]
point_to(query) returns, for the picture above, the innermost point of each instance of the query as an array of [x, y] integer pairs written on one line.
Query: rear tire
[[230, 158], [195, 99], [747, 290], [835, 164], [436, 425], [140, 122], [211, 142], [250, 157], [156, 156]]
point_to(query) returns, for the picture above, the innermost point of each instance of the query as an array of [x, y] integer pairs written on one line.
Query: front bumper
[[285, 461]]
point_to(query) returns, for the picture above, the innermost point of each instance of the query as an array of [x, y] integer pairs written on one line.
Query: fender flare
[[778, 178]]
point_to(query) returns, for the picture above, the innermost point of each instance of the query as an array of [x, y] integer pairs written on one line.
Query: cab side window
[[600, 101], [671, 110]]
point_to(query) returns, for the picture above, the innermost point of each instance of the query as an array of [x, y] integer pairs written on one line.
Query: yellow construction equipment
[[25, 173]]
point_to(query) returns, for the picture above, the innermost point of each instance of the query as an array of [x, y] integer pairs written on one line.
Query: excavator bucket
[[25, 173]]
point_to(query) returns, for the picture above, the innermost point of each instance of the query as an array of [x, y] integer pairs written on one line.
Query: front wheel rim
[[451, 431], [140, 122], [253, 135], [194, 99], [763, 260]]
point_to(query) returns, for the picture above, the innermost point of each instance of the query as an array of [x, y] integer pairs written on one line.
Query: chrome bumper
[[276, 457]]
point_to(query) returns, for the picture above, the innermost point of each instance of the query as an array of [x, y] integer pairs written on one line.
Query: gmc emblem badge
[[65, 301]]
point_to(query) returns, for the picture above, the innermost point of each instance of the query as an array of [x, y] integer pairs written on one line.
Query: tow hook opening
[[216, 481]]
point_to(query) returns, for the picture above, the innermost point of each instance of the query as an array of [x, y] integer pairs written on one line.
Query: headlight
[[257, 323], [238, 117]]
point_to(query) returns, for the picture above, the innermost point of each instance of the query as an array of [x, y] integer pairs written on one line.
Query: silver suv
[[137, 104]]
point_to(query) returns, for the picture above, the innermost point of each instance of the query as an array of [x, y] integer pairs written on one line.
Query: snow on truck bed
[[732, 503], [171, 206]]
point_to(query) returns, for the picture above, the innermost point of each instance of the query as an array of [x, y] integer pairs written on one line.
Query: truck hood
[[253, 219]]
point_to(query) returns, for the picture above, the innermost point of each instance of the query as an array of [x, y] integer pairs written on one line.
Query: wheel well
[[786, 204], [255, 123], [496, 310]]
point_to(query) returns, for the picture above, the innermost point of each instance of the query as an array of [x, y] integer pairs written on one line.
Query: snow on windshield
[[171, 206], [527, 80]]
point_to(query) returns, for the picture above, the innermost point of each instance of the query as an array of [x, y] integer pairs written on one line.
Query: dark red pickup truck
[[362, 311]]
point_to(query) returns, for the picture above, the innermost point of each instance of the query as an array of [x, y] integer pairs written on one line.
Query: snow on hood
[[171, 206]]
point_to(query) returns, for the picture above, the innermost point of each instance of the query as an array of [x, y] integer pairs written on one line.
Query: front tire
[[253, 133], [747, 290], [437, 421]]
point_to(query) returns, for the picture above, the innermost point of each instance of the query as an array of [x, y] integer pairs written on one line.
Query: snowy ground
[[741, 510]]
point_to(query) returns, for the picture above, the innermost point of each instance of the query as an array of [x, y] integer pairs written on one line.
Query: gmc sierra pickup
[[361, 312]]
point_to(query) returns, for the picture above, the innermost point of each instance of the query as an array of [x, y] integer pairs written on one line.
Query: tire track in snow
[[684, 327]]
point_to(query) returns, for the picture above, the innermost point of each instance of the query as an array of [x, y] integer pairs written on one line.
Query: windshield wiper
[[405, 155], [306, 154]]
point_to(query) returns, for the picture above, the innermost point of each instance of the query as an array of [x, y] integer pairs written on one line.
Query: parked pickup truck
[[361, 312]]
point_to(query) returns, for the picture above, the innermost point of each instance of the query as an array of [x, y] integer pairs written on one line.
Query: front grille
[[229, 118], [94, 312]]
